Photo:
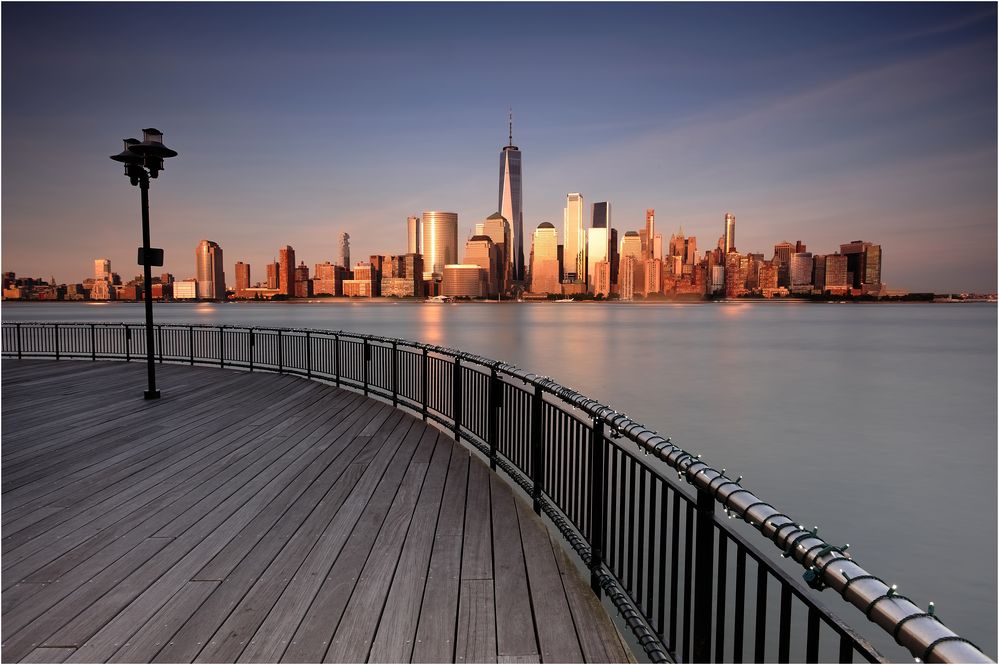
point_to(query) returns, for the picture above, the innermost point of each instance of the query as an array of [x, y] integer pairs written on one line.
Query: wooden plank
[[553, 621], [47, 655], [477, 552], [435, 632], [300, 589], [514, 620], [598, 638], [319, 610], [396, 627], [19, 593], [41, 631], [476, 633], [518, 659]]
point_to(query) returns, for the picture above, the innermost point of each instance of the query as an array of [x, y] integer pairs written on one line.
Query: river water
[[878, 423]]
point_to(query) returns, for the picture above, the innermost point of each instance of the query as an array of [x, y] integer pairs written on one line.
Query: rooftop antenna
[[511, 127]]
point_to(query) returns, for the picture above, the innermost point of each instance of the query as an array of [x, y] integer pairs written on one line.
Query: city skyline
[[888, 133]]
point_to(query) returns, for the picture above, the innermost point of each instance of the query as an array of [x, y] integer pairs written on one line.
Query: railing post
[[597, 503], [492, 423], [336, 357], [93, 341], [56, 330], [704, 543], [537, 449], [364, 365], [221, 346], [252, 344], [280, 353], [395, 374], [159, 341], [456, 395], [190, 342], [308, 354], [128, 339], [18, 326], [423, 384]]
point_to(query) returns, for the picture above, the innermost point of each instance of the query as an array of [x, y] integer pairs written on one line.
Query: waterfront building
[[801, 272], [210, 273], [601, 278], [461, 280], [626, 280], [286, 270], [729, 242], [414, 236], [511, 202], [303, 286], [497, 227], [598, 241], [273, 275], [782, 257], [657, 246], [736, 267], [186, 289], [480, 250], [544, 260], [102, 289], [242, 277], [615, 255], [653, 276], [440, 240], [767, 279], [574, 266], [357, 288], [836, 275], [404, 276], [102, 269], [717, 278], [328, 279], [343, 250], [631, 246], [863, 265]]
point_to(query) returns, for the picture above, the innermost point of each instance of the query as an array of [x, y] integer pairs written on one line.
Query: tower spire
[[511, 126]]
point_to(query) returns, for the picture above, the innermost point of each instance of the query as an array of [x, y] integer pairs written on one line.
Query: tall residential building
[[574, 252], [343, 250], [414, 239], [210, 274], [273, 275], [650, 234], [653, 276], [480, 250], [440, 240], [303, 286], [545, 267], [497, 227], [598, 240], [863, 264], [242, 276], [801, 271], [626, 281], [782, 258], [736, 267], [286, 271], [102, 269], [328, 279], [729, 232], [511, 203], [601, 276], [657, 246]]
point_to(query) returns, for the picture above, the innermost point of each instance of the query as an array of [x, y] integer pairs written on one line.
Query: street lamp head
[[153, 151], [128, 156]]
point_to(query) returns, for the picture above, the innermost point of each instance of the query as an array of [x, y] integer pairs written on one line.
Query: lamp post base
[[151, 394]]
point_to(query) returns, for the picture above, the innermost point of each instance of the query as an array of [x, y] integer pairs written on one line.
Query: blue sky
[[816, 122]]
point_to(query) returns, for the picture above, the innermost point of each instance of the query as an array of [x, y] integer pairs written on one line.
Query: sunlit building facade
[[286, 270], [863, 264], [598, 240], [729, 233], [626, 278], [343, 250], [545, 268], [210, 273], [574, 242], [801, 272], [463, 281], [102, 269], [480, 250], [511, 204], [242, 277], [497, 227], [440, 241], [414, 236], [601, 278]]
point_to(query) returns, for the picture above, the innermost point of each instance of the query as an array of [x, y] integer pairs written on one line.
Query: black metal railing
[[690, 586]]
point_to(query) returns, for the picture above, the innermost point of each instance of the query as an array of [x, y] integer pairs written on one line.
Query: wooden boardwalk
[[265, 518]]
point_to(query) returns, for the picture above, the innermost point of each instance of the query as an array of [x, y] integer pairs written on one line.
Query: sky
[[817, 122]]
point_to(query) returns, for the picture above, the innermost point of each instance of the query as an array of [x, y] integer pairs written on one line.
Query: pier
[[253, 515]]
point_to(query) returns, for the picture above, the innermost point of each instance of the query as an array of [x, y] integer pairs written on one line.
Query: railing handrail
[[826, 565]]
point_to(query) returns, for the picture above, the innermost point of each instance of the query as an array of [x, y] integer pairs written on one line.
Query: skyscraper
[[729, 232], [440, 240], [102, 269], [598, 243], [544, 270], [497, 227], [650, 234], [286, 271], [273, 275], [863, 264], [414, 244], [211, 275], [242, 276], [344, 250], [480, 250], [511, 201], [574, 252]]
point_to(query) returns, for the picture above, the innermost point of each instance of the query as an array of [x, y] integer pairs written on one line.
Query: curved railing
[[689, 586]]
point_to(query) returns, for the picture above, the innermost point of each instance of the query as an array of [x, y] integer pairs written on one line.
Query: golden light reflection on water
[[431, 318]]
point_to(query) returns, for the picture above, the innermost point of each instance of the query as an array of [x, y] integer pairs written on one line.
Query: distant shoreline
[[414, 301]]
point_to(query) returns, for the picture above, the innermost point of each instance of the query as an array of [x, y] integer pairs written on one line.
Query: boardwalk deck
[[264, 518]]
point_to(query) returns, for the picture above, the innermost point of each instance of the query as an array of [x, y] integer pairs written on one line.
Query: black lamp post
[[144, 160]]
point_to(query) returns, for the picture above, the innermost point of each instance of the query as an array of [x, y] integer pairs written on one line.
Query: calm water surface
[[877, 423]]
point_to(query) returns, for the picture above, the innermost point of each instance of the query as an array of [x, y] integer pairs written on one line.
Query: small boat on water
[[439, 299]]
